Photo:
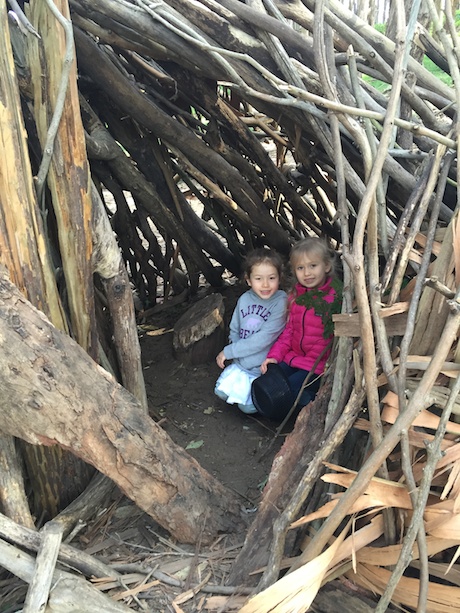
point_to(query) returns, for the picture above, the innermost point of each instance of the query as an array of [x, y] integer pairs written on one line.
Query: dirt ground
[[237, 449]]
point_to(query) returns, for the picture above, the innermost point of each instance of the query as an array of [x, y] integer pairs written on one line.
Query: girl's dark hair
[[318, 246], [260, 256]]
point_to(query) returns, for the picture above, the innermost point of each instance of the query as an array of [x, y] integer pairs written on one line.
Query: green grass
[[383, 87], [437, 72]]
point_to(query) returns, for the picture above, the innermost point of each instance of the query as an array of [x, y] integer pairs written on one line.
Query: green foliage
[[314, 299], [436, 71], [383, 87]]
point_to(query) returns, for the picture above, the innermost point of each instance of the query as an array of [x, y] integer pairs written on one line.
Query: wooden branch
[[13, 499], [349, 324], [435, 284], [106, 260], [120, 301], [39, 588]]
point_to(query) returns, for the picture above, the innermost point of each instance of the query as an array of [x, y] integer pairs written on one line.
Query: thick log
[[53, 393], [24, 251], [68, 176], [199, 334]]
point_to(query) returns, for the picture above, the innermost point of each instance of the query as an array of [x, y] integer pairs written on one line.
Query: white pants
[[235, 384]]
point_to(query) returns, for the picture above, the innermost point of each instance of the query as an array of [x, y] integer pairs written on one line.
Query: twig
[[22, 19], [224, 590], [435, 284], [48, 149]]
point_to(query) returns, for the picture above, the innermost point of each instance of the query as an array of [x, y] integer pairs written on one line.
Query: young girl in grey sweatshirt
[[257, 321]]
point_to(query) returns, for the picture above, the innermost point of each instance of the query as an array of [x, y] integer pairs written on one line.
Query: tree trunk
[[199, 334], [53, 393], [25, 252]]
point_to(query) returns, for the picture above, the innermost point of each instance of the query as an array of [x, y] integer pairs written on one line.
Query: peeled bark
[[53, 393]]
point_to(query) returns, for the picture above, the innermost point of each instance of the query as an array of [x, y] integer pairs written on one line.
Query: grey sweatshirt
[[254, 327]]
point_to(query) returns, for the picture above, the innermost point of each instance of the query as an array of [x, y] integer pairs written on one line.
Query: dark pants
[[296, 377]]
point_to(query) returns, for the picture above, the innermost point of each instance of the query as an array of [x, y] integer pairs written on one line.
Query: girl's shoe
[[221, 395], [249, 409]]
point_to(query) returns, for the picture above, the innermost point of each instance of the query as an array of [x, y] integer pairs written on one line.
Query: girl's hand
[[220, 359], [265, 363]]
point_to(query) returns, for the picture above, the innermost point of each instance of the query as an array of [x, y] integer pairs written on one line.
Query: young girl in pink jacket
[[305, 344]]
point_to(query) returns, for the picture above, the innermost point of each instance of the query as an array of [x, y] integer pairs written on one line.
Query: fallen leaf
[[194, 444]]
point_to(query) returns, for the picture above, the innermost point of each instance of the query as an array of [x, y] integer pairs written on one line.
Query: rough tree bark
[[53, 393]]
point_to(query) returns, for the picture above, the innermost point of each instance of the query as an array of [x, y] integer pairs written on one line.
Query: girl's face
[[311, 270], [264, 280]]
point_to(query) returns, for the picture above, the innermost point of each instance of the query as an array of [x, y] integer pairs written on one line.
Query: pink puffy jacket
[[302, 340]]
